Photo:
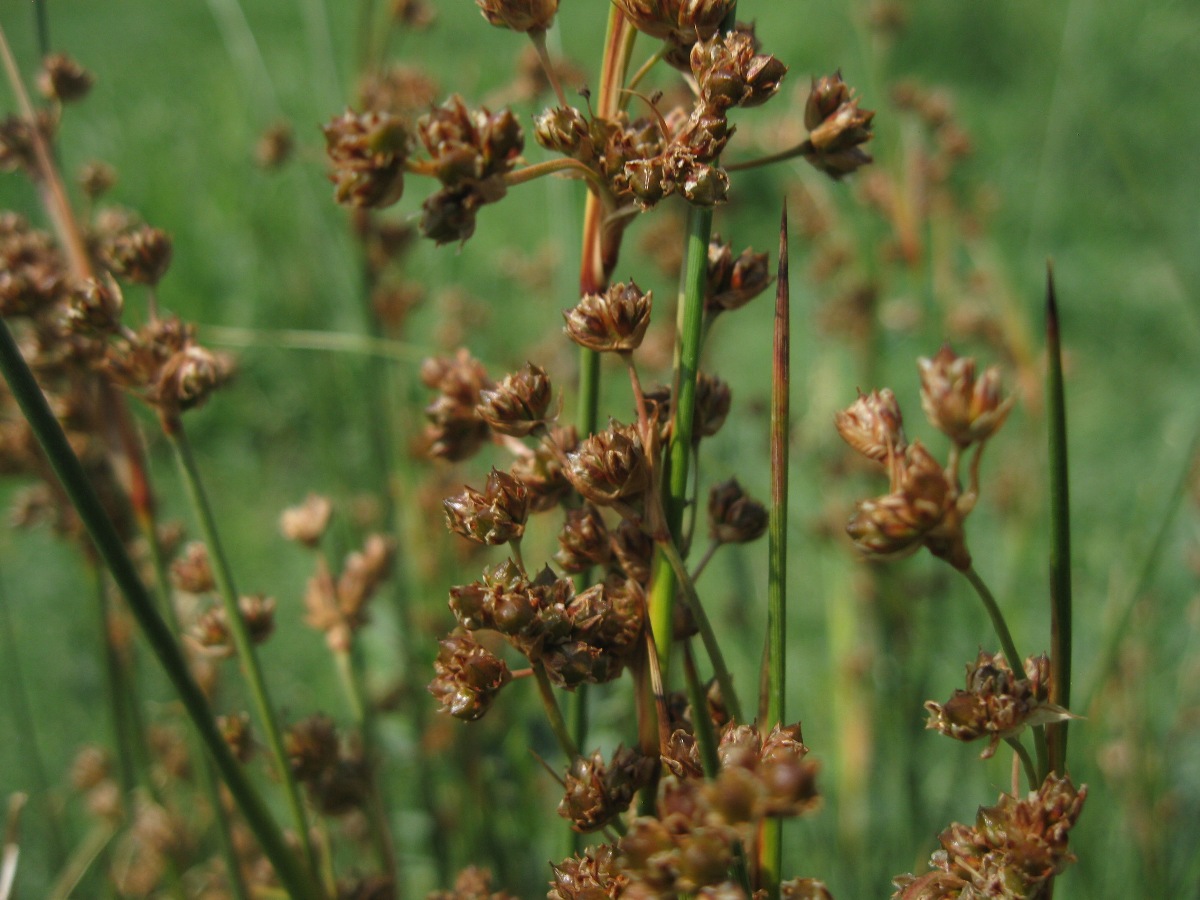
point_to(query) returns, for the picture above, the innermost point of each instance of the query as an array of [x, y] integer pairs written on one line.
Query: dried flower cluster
[[996, 704], [926, 506], [1014, 849]]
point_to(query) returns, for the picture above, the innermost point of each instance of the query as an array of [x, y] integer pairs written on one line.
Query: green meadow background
[[1085, 125]]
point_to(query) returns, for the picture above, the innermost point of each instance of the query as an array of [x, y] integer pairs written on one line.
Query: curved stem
[[1026, 761], [550, 167], [538, 38], [1015, 661], [801, 149], [244, 647]]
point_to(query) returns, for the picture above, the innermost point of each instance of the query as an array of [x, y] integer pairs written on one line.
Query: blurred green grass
[[1083, 116]]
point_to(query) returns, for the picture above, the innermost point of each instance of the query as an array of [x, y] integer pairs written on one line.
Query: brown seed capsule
[[731, 284], [63, 79], [873, 426], [517, 405], [141, 255], [609, 467], [713, 400], [962, 407], [494, 516], [613, 321], [235, 729], [688, 20], [258, 612], [837, 127], [367, 152], [898, 523], [564, 130], [592, 876], [731, 73], [468, 677], [597, 792], [733, 516], [583, 541], [456, 430], [519, 15], [311, 746], [96, 179]]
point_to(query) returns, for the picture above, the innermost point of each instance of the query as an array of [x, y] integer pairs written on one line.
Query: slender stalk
[[706, 738], [114, 686], [1015, 661], [243, 646], [707, 635], [770, 849], [557, 724], [1026, 762], [111, 549], [1060, 532], [675, 475]]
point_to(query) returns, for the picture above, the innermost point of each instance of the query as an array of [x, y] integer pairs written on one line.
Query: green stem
[[557, 724], [1060, 532], [675, 475], [111, 549], [243, 646], [770, 850], [1015, 661], [707, 635], [1026, 761], [706, 737]]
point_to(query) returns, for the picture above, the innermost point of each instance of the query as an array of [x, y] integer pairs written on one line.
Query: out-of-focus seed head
[[96, 179], [17, 141], [258, 612], [192, 572], [804, 889], [873, 426], [189, 378], [519, 15], [898, 523], [311, 746], [634, 550], [583, 541], [275, 145], [609, 467], [597, 792], [235, 729], [306, 523], [362, 573], [732, 283], [63, 79], [467, 677], [686, 20], [541, 471], [494, 516], [837, 127], [456, 430], [713, 400], [93, 307], [402, 90], [593, 876], [367, 152], [613, 321], [517, 406], [141, 255], [733, 516], [964, 408]]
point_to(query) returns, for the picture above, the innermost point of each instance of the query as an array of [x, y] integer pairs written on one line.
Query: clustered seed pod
[[493, 516], [732, 283], [595, 874], [1014, 849], [584, 541], [517, 406], [210, 632], [306, 523], [733, 516], [609, 467], [579, 638], [141, 254], [471, 884], [17, 141], [965, 409], [615, 321], [467, 676], [682, 20], [926, 506], [837, 127], [456, 430], [163, 364], [368, 152], [541, 470], [997, 704], [470, 152], [597, 792]]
